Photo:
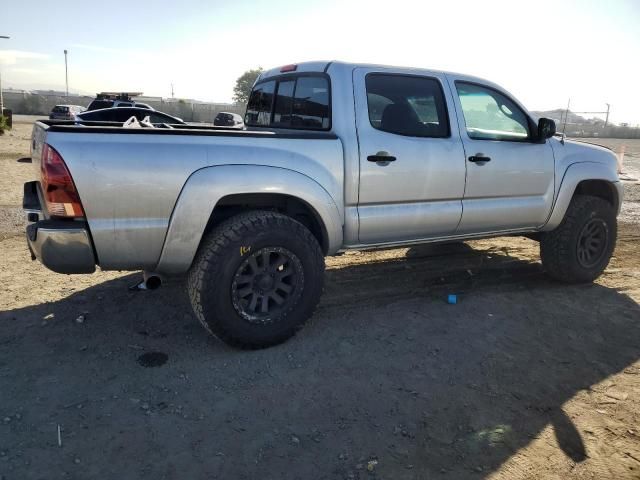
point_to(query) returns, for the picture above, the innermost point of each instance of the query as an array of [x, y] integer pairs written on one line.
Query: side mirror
[[546, 129]]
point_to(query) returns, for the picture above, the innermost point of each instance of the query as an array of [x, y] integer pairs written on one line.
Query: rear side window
[[296, 102], [407, 105], [99, 104]]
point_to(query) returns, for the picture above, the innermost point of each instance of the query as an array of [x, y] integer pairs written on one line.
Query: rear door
[[510, 176], [412, 165]]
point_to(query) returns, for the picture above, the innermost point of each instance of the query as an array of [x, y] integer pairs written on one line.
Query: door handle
[[479, 158], [381, 157]]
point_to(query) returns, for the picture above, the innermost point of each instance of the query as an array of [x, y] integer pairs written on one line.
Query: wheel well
[[598, 188], [301, 211]]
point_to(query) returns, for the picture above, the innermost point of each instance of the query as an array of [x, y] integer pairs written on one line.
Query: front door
[[510, 176], [412, 165]]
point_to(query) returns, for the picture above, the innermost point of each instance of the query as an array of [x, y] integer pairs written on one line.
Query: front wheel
[[580, 248], [256, 279]]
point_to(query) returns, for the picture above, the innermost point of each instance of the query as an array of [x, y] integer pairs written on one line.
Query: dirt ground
[[524, 378]]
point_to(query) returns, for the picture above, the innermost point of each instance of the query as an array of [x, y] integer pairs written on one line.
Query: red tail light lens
[[60, 193], [289, 68]]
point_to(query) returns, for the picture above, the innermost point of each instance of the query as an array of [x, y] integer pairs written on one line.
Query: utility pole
[[1, 97], [171, 89], [566, 115], [606, 120], [66, 74]]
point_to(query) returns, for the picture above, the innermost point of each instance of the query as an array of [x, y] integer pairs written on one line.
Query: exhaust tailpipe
[[152, 281]]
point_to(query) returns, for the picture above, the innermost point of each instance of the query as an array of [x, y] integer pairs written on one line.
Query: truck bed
[[129, 179]]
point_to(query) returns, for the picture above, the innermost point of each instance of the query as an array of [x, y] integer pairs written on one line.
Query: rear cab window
[[299, 101], [260, 104]]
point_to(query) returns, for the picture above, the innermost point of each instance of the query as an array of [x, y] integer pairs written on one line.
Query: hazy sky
[[542, 51]]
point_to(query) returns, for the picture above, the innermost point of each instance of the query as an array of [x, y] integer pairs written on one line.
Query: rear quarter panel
[[129, 184]]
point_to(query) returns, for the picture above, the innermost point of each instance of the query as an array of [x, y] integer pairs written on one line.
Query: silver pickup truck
[[335, 156]]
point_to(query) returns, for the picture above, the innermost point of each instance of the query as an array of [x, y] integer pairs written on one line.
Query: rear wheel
[[580, 248], [256, 279]]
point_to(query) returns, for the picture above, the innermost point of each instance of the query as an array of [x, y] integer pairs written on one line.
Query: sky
[[544, 52]]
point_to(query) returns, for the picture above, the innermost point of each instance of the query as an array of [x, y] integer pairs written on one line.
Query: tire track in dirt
[[378, 278]]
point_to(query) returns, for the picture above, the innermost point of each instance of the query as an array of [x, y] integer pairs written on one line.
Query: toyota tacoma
[[334, 156]]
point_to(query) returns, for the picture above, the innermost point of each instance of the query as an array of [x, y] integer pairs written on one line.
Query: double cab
[[333, 156]]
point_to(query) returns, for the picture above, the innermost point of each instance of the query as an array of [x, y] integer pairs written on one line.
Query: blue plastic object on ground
[[452, 299]]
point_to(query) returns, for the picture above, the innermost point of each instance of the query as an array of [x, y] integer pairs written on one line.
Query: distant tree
[[243, 85]]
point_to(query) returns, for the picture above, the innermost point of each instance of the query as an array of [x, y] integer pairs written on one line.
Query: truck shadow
[[386, 372]]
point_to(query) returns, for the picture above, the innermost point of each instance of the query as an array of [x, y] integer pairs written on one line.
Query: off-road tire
[[559, 248], [222, 254]]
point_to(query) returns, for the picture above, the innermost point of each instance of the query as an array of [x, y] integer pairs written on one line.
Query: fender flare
[[574, 174], [204, 189]]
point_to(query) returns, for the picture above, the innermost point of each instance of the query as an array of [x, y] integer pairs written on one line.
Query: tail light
[[60, 193]]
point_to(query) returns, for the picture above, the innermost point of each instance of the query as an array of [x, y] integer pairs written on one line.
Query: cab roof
[[321, 66], [331, 66]]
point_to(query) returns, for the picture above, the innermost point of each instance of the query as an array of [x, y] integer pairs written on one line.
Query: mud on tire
[[256, 279], [580, 248]]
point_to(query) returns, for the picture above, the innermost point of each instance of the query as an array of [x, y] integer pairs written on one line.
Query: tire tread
[[556, 247], [210, 257]]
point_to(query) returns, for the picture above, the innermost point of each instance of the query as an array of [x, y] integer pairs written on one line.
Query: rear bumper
[[63, 246]]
